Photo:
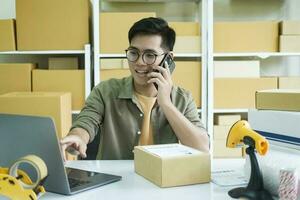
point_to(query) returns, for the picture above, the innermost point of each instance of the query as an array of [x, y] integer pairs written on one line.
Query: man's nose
[[140, 61]]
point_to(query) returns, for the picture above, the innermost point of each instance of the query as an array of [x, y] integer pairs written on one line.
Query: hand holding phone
[[171, 64]]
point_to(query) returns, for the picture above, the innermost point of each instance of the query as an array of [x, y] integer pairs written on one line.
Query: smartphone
[[167, 58]]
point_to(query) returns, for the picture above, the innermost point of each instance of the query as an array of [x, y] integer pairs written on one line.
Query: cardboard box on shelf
[[289, 82], [7, 32], [255, 36], [221, 151], [186, 28], [226, 119], [289, 43], [115, 26], [187, 44], [187, 74], [106, 74], [72, 81], [278, 99], [237, 69], [15, 77], [54, 24], [54, 105], [172, 164], [107, 63], [63, 63], [239, 92], [279, 127], [290, 27], [221, 132]]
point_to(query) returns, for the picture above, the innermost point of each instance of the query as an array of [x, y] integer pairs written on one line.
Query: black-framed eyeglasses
[[148, 57]]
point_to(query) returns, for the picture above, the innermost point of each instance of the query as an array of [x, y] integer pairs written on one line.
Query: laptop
[[23, 135]]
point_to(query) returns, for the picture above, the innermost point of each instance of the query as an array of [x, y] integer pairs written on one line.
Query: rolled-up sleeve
[[91, 116], [191, 112]]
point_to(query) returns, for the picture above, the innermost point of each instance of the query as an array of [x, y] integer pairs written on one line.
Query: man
[[131, 111]]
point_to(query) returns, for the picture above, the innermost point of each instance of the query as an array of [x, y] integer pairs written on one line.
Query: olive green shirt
[[113, 111]]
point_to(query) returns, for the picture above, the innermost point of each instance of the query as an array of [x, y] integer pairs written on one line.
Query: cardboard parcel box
[[290, 27], [289, 82], [106, 74], [186, 28], [172, 164], [7, 35], [63, 63], [15, 77], [289, 43], [251, 36], [187, 74], [221, 151], [54, 105], [187, 44], [237, 69], [278, 99], [72, 81], [52, 24], [114, 27], [239, 92]]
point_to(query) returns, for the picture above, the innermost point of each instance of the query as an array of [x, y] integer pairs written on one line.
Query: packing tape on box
[[288, 187], [272, 165], [38, 164]]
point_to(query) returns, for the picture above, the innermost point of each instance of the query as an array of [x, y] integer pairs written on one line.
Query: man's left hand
[[164, 81]]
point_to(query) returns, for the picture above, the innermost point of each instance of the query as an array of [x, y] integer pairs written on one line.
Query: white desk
[[135, 187]]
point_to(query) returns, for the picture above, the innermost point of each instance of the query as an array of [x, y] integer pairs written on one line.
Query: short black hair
[[154, 26]]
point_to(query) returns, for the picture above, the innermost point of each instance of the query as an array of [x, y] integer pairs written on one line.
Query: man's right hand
[[76, 139]]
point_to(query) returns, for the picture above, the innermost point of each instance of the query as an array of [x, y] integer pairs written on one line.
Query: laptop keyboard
[[75, 182]]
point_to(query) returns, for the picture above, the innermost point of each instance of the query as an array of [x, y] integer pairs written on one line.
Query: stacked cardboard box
[[15, 77], [115, 26], [7, 32], [54, 105], [114, 63], [188, 38], [106, 74], [72, 81], [222, 126], [239, 92], [277, 117], [290, 36], [256, 36], [54, 24], [187, 74], [63, 63], [237, 69], [289, 82], [278, 99]]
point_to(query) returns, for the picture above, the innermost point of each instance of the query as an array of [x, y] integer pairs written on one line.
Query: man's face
[[144, 44]]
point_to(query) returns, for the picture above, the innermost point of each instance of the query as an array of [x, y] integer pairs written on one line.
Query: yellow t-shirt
[[147, 104]]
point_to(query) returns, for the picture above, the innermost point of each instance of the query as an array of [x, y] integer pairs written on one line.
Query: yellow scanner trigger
[[241, 129]]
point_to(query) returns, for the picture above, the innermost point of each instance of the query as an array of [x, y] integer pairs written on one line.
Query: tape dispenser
[[16, 184]]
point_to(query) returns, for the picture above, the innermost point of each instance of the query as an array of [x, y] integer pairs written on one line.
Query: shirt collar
[[127, 89]]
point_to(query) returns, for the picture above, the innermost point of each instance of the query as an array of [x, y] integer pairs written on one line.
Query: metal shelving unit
[[87, 62], [235, 55], [261, 55], [234, 110]]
